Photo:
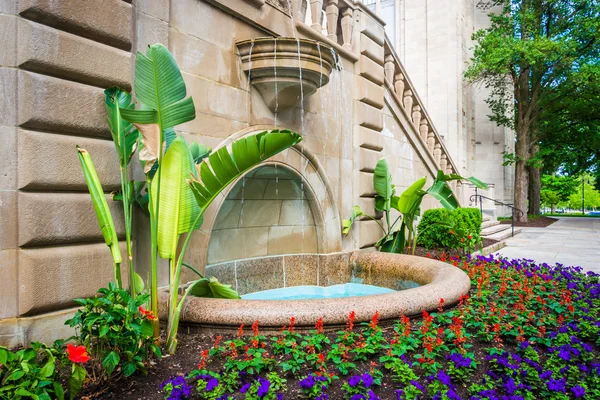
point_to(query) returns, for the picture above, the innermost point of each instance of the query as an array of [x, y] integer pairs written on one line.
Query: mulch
[[539, 222], [437, 253]]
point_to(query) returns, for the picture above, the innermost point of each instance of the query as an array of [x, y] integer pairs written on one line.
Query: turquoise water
[[317, 292]]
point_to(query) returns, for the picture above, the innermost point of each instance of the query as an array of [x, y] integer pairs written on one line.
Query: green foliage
[[449, 229], [116, 332]]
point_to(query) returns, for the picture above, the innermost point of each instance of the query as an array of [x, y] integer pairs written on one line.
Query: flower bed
[[526, 331]]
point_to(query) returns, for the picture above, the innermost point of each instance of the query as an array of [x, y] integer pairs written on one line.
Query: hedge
[[441, 228]]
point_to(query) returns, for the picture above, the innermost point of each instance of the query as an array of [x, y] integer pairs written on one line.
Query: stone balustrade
[[337, 13], [398, 83]]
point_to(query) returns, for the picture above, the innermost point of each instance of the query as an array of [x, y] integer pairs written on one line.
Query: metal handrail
[[476, 196]]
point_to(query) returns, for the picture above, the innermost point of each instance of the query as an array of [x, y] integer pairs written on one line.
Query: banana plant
[[125, 140], [160, 88], [105, 220], [396, 238]]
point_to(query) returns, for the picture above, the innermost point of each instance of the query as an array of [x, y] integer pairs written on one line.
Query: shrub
[[117, 331], [441, 228]]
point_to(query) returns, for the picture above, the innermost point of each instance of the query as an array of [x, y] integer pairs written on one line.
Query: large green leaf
[[442, 192], [178, 208], [411, 197], [105, 220], [205, 287], [382, 183], [455, 177], [223, 166], [347, 223], [396, 243], [160, 87], [123, 134]]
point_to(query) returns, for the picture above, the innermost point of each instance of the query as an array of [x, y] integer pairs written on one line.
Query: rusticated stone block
[[8, 38], [56, 218], [371, 70], [53, 52], [107, 21], [57, 155], [8, 161], [50, 277], [365, 188], [8, 96], [369, 234], [150, 30], [367, 204], [370, 93], [8, 277], [368, 159], [370, 139], [372, 28], [371, 49], [55, 104], [369, 116]]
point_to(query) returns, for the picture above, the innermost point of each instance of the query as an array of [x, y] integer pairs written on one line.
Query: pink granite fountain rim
[[438, 280]]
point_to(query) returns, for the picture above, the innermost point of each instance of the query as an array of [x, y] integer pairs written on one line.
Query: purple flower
[[245, 388], [213, 383], [353, 381], [399, 394], [308, 382], [358, 397], [444, 378], [556, 385], [578, 391], [367, 380], [417, 385], [263, 389], [372, 396]]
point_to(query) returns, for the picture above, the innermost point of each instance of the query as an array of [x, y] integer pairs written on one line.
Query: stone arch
[[302, 162]]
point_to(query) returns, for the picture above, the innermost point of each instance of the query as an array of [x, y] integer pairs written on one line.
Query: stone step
[[487, 224], [494, 229], [504, 234], [486, 218]]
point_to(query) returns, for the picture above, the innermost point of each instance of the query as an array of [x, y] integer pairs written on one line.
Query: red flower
[[319, 325], [77, 354], [241, 330], [255, 328], [292, 324], [146, 313]]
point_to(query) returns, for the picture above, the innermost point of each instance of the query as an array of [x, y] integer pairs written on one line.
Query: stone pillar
[[430, 142], [449, 171], [389, 67], [437, 152], [408, 100], [416, 115], [316, 6], [443, 162], [332, 12], [347, 28], [459, 191], [399, 85], [423, 129]]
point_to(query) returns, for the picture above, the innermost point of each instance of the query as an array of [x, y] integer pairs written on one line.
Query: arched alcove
[[268, 212]]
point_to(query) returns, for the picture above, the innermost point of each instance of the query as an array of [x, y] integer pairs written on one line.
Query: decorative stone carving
[[389, 68], [430, 142], [257, 3], [423, 129], [399, 85], [408, 100], [416, 115], [332, 12], [443, 162], [276, 74], [316, 6], [437, 152], [347, 28]]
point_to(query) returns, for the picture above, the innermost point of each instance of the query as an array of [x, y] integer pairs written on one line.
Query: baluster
[[443, 162], [437, 152], [408, 100], [389, 68], [332, 12], [430, 142], [423, 129], [459, 190], [450, 171], [347, 28], [416, 115], [399, 85], [316, 6]]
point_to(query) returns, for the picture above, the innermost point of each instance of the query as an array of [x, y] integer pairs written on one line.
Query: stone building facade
[[58, 57]]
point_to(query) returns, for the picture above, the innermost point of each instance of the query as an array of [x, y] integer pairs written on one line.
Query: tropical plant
[[408, 204]]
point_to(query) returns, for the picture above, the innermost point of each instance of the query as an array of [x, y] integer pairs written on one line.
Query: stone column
[[430, 142], [408, 100], [347, 28], [459, 190], [437, 152], [389, 68], [443, 162], [332, 12], [423, 129], [316, 6], [399, 85], [416, 115]]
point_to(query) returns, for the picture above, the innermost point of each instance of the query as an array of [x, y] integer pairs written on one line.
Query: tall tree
[[531, 50]]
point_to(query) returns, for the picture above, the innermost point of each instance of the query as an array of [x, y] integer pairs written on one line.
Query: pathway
[[569, 241]]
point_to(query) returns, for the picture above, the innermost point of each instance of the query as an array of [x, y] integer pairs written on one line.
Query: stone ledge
[[45, 328]]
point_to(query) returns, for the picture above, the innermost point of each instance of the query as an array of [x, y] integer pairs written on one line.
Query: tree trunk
[[535, 185], [553, 208], [521, 173]]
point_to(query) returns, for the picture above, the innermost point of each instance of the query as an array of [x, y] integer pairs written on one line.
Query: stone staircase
[[494, 230]]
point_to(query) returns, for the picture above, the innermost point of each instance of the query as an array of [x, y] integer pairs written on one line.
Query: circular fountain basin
[[317, 292], [384, 270], [285, 69]]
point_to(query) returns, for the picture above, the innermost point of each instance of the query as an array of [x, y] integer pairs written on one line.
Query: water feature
[[275, 79], [317, 292], [248, 97]]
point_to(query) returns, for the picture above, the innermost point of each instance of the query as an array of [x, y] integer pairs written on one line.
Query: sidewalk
[[569, 241]]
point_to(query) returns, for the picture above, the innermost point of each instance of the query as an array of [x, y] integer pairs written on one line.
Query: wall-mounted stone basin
[[436, 279], [285, 69]]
